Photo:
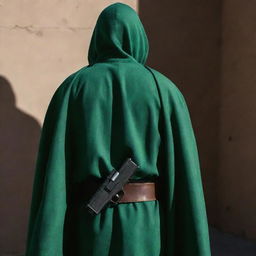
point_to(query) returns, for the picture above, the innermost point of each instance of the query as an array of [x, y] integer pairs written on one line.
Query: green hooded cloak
[[114, 108]]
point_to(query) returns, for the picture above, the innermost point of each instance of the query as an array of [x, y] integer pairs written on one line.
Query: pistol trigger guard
[[118, 196]]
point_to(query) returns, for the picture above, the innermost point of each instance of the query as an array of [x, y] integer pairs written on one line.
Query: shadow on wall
[[19, 140], [184, 44]]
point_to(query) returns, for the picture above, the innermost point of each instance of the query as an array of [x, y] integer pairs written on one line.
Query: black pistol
[[111, 190]]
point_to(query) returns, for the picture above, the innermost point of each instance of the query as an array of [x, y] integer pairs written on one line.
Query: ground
[[224, 244]]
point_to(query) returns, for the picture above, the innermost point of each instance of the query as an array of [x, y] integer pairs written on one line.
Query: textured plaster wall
[[41, 42]]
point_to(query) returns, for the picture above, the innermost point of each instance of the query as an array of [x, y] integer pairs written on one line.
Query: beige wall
[[41, 42]]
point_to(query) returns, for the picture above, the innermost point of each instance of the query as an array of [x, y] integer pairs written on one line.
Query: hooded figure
[[114, 108]]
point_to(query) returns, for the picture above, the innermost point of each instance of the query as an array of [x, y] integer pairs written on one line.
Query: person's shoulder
[[167, 84], [78, 73], [69, 80]]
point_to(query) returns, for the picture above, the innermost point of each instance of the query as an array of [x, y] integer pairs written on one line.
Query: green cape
[[114, 108]]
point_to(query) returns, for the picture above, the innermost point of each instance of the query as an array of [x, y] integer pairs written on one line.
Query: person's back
[[114, 108]]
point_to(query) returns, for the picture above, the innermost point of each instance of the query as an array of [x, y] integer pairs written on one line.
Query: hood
[[118, 33]]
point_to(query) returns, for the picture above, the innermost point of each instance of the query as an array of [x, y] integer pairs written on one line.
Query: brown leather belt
[[134, 191], [138, 192]]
